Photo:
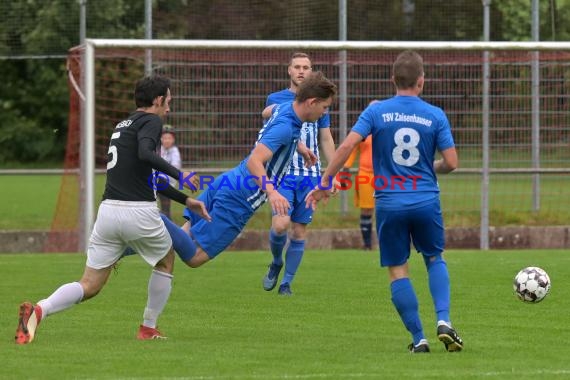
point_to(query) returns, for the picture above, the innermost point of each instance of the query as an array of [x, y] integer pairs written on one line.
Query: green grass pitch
[[339, 324]]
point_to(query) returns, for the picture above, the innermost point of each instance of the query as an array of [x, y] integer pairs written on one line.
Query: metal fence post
[[342, 96], [484, 231], [535, 132]]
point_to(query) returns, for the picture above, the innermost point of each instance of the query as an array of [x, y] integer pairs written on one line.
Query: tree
[[34, 94], [512, 20]]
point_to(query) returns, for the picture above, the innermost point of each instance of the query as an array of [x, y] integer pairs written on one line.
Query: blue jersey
[[309, 136], [406, 132], [280, 134], [234, 196]]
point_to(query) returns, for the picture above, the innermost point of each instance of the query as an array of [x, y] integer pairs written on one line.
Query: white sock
[[159, 287], [63, 298]]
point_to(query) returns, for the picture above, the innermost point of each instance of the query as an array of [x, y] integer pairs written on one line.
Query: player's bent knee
[[90, 289], [281, 230], [198, 259], [280, 224], [93, 281], [432, 260], [299, 231], [194, 264], [398, 272], [166, 264]]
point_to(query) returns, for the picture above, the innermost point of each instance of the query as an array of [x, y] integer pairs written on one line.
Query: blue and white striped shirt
[[309, 136]]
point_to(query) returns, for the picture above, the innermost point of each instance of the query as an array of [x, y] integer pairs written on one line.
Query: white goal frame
[[88, 117]]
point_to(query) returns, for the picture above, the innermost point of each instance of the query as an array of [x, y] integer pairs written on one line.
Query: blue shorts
[[230, 212], [295, 189], [397, 229]]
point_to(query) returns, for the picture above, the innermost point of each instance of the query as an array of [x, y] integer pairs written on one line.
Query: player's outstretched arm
[[315, 196], [192, 204], [327, 146], [266, 113], [307, 154], [325, 189], [199, 208], [256, 166], [190, 180], [448, 163], [341, 155], [326, 143], [147, 153]]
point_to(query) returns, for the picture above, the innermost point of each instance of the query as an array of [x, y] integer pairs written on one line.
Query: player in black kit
[[128, 216]]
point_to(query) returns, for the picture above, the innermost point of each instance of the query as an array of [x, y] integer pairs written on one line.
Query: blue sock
[[439, 286], [277, 242], [405, 300], [293, 259], [182, 243]]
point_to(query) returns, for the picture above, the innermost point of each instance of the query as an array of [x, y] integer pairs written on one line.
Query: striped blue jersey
[[280, 134], [309, 136], [406, 132]]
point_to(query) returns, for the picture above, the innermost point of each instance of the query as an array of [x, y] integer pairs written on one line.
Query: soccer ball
[[531, 284]]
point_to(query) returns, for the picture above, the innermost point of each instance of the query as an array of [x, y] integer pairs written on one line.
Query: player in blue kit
[[301, 178], [235, 195], [406, 132]]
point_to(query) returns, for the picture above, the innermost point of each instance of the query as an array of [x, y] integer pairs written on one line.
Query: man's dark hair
[[407, 69], [316, 85], [149, 88]]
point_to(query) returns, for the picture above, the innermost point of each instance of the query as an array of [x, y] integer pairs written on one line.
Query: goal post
[[214, 69], [88, 140]]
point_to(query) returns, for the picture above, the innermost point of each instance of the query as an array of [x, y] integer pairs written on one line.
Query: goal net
[[219, 90]]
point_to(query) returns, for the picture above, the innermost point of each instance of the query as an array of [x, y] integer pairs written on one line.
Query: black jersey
[[132, 156]]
